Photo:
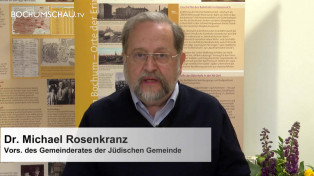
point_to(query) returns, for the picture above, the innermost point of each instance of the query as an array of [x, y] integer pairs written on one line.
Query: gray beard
[[150, 96]]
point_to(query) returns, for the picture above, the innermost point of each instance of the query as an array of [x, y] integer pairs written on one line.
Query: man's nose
[[150, 64]]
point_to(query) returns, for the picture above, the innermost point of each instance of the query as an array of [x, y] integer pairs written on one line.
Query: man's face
[[152, 82]]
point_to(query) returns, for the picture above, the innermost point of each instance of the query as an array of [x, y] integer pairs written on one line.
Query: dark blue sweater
[[192, 109]]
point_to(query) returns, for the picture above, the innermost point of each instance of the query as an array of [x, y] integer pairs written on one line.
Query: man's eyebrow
[[162, 48], [144, 50], [138, 49]]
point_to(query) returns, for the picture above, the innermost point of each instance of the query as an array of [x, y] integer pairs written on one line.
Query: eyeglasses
[[159, 58]]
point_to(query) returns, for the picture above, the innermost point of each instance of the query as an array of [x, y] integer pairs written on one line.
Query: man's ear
[[182, 59], [123, 57]]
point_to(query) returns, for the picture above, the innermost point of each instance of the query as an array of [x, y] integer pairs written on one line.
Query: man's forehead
[[152, 23], [157, 34], [151, 29]]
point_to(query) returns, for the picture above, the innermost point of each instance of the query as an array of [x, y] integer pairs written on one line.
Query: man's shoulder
[[116, 97], [194, 94], [108, 111]]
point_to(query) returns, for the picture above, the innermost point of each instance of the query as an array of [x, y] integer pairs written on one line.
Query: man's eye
[[162, 56], [139, 56]]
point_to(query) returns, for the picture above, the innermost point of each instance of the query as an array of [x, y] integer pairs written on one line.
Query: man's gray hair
[[156, 17]]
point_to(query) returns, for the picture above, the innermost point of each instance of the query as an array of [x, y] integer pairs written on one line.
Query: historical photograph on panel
[[125, 11], [110, 56], [120, 82], [30, 20], [32, 170], [25, 60], [60, 91], [109, 34], [57, 52], [55, 169]]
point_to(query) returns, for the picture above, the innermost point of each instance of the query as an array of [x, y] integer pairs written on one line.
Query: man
[[62, 93], [153, 58]]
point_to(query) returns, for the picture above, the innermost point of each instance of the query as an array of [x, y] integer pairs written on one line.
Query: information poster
[[37, 78]]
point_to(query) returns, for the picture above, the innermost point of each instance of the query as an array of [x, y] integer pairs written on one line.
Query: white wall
[[279, 72]]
